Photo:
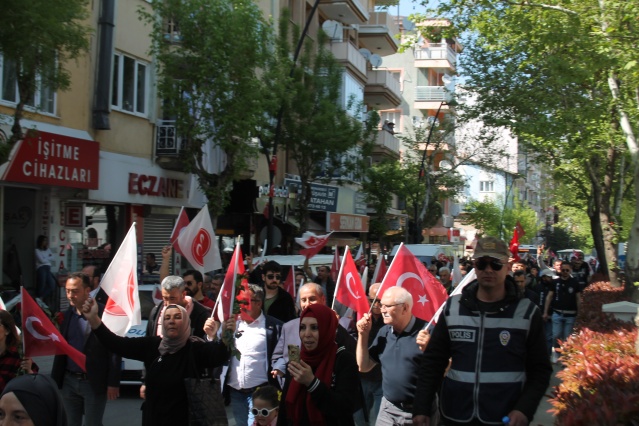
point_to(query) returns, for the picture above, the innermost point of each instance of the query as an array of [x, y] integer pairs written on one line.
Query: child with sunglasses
[[266, 401]]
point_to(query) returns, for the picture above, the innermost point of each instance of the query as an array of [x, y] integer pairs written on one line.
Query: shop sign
[[454, 235], [340, 222], [74, 216], [51, 159], [155, 186], [323, 197]]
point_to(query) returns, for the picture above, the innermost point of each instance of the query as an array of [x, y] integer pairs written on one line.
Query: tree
[[325, 141], [499, 218], [538, 70], [210, 83], [37, 40]]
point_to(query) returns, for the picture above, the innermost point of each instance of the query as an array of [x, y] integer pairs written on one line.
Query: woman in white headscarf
[[167, 360]]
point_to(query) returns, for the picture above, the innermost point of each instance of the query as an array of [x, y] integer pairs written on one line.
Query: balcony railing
[[384, 78], [167, 141], [430, 93], [437, 51], [387, 140], [346, 51]]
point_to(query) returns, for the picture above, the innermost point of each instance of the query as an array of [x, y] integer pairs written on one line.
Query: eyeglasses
[[271, 276], [264, 412], [383, 306], [566, 270], [189, 283], [373, 301], [482, 263]]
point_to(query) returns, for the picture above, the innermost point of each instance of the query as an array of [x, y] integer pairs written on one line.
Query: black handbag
[[206, 405]]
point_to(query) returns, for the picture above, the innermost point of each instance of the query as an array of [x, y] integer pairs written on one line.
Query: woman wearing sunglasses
[[266, 400], [323, 387]]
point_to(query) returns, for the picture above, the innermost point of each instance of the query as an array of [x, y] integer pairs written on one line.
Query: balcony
[[379, 34], [382, 90], [349, 56], [386, 144], [350, 12], [437, 55], [430, 97]]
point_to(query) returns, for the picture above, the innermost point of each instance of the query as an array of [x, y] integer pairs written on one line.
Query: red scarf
[[321, 360]]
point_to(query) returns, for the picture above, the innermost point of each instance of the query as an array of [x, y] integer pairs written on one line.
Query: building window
[[43, 99], [130, 81], [486, 186]]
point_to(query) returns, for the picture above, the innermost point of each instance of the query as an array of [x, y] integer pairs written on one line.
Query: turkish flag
[[120, 282], [514, 245], [350, 291], [289, 284], [520, 229], [227, 292], [198, 244], [380, 270], [181, 223], [408, 272], [335, 265], [41, 337], [312, 243]]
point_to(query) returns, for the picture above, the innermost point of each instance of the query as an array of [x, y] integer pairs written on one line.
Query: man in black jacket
[[84, 392], [278, 303], [495, 339]]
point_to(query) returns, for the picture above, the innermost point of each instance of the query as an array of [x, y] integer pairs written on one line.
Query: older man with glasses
[[494, 340], [562, 305], [396, 349]]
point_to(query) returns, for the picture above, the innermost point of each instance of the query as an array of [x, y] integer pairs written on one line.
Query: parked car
[[427, 252]]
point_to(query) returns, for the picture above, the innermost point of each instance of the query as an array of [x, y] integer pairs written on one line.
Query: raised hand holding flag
[[41, 337]]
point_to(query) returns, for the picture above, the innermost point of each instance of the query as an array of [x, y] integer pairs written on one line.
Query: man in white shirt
[[256, 335]]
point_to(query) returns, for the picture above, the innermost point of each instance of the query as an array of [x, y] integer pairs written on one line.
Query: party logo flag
[[198, 244], [41, 337]]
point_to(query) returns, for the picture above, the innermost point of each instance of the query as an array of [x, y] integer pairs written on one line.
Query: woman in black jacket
[[167, 359], [323, 387]]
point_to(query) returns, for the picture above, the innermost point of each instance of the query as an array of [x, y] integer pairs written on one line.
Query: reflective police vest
[[488, 352]]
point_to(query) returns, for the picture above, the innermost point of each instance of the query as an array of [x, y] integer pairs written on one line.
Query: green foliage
[[495, 218], [210, 83], [382, 181], [323, 139], [41, 38]]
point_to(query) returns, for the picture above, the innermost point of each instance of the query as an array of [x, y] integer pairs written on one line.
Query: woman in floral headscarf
[[323, 388]]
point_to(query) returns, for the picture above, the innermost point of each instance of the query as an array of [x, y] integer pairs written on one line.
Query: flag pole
[[339, 276], [381, 286], [237, 256], [468, 278], [24, 348], [132, 228], [377, 266]]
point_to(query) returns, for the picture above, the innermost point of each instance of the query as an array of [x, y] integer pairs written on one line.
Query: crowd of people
[[487, 360]]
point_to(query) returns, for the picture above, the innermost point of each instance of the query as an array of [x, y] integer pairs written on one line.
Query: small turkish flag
[[289, 284], [181, 223], [41, 338], [312, 243], [350, 291]]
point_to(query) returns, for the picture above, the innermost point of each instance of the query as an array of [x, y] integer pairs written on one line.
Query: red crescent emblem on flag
[[201, 246], [115, 309]]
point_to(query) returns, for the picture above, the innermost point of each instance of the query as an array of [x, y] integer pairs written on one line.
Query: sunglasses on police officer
[[482, 263]]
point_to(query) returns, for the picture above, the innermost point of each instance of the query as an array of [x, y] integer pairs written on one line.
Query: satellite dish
[[408, 24], [365, 53], [375, 60], [333, 29], [445, 165]]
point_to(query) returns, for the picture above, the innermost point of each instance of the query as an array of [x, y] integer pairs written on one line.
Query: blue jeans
[[549, 339], [79, 397], [241, 404], [561, 327], [373, 393]]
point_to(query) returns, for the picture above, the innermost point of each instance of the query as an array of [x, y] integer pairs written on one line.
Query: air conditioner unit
[[447, 221]]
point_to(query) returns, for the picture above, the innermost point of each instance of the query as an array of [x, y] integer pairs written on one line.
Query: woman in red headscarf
[[323, 388]]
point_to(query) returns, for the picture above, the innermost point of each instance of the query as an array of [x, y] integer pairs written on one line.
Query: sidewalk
[[542, 416]]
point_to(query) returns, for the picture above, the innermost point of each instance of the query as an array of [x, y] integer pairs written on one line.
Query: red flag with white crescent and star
[[350, 291], [289, 284], [312, 243], [41, 337], [408, 272]]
